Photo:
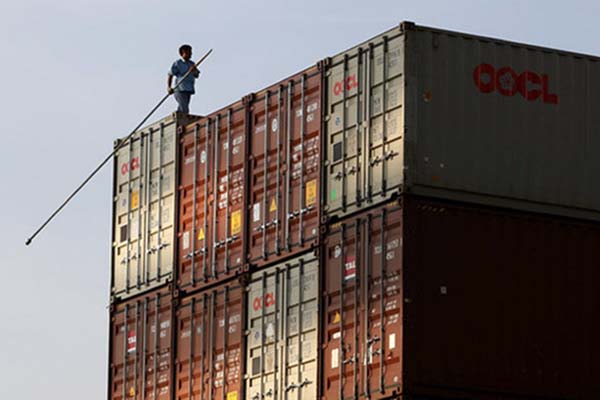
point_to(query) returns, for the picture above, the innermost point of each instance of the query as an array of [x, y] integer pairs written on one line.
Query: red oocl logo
[[351, 83], [269, 301], [131, 165], [507, 82]]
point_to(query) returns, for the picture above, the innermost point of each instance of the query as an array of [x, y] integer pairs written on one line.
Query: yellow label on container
[[232, 396], [201, 234], [337, 317], [311, 192], [132, 392], [236, 222], [273, 207], [135, 199]]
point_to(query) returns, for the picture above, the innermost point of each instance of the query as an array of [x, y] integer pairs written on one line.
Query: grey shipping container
[[282, 331], [144, 208], [457, 116]]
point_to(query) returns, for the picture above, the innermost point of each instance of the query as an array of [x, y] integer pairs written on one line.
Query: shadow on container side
[[499, 304]]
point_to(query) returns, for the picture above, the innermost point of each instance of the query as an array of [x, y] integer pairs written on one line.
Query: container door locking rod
[[110, 156]]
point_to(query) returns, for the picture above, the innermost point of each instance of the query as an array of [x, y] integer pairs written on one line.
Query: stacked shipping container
[[416, 217]]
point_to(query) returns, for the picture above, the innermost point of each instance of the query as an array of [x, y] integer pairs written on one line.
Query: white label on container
[[131, 341], [203, 156], [350, 268], [392, 341], [186, 240], [337, 335], [337, 251], [335, 355], [256, 212]]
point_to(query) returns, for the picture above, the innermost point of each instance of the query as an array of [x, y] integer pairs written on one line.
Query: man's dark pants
[[183, 99]]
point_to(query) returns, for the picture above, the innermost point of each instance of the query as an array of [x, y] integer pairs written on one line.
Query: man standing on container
[[185, 90]]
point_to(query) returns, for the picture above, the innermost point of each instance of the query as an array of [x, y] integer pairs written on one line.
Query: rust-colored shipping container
[[212, 198], [499, 302], [284, 166], [210, 352], [362, 306], [140, 354], [477, 303]]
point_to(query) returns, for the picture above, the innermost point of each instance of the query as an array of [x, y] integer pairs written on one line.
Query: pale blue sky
[[77, 74]]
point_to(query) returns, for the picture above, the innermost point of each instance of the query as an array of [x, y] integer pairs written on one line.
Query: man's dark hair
[[185, 47]]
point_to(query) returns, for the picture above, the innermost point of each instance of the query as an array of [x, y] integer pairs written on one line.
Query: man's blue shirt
[[178, 70]]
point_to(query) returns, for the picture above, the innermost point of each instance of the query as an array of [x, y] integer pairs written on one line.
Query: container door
[[209, 346], [362, 338], [364, 117], [229, 194], [285, 168], [141, 360], [144, 211], [196, 170], [282, 326]]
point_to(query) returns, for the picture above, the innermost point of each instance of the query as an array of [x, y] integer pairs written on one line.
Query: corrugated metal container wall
[[499, 302], [362, 306], [212, 202], [285, 166], [282, 326], [210, 333], [145, 174], [500, 123], [364, 125], [140, 348]]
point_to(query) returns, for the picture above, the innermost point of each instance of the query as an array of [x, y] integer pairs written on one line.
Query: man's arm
[[195, 71], [169, 83]]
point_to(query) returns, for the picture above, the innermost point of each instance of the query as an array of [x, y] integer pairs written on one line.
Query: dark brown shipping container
[[212, 199], [285, 136], [210, 352], [362, 306], [140, 357], [478, 303], [500, 302]]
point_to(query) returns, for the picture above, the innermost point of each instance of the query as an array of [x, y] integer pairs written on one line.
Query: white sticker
[[186, 240], [337, 251], [312, 107], [203, 156], [335, 355], [337, 335], [237, 140], [256, 212], [270, 332], [274, 125], [392, 341]]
